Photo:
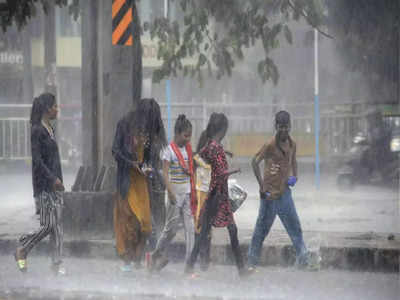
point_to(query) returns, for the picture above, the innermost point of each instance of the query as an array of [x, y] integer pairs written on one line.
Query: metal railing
[[15, 138], [338, 126], [15, 130], [338, 122]]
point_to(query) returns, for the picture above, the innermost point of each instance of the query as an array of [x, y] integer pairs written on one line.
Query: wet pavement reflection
[[37, 294]]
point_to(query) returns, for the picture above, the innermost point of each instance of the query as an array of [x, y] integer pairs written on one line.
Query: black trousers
[[202, 240]]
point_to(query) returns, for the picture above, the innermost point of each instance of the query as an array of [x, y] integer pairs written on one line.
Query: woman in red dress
[[217, 211]]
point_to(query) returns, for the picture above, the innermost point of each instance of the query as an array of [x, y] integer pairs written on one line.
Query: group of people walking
[[196, 183]]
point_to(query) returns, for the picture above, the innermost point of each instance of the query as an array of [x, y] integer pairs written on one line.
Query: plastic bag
[[237, 195]]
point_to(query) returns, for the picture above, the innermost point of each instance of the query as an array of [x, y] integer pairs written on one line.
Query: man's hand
[[264, 194], [291, 181], [58, 185]]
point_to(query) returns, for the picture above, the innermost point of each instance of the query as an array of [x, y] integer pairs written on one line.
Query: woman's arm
[[171, 195], [229, 173], [118, 144]]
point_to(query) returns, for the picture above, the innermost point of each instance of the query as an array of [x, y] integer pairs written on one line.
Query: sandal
[[126, 268], [21, 260], [194, 276], [163, 261], [246, 272], [58, 269]]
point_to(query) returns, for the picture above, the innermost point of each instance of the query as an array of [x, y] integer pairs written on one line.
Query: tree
[[18, 12], [215, 32], [368, 37]]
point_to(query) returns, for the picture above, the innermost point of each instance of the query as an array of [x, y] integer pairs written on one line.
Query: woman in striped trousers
[[47, 184]]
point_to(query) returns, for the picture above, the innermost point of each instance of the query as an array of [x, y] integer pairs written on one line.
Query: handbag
[[237, 195]]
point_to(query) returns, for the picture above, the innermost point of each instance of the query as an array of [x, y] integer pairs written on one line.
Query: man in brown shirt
[[280, 173]]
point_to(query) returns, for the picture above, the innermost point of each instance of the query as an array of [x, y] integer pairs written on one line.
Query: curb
[[354, 258]]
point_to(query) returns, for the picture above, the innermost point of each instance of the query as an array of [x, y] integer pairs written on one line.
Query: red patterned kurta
[[214, 153]]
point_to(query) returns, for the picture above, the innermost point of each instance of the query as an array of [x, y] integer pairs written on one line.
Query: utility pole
[[168, 84], [90, 60], [316, 110], [27, 65], [137, 64], [398, 60], [50, 50]]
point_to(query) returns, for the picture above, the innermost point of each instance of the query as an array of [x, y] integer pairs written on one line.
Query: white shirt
[[180, 181]]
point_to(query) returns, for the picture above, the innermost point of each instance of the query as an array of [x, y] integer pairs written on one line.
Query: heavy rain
[[194, 149]]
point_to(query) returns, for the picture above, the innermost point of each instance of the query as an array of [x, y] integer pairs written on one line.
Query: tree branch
[[309, 21]]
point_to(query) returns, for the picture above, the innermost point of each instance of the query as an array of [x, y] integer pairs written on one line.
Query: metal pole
[[166, 9], [168, 86], [90, 70], [168, 93], [316, 110]]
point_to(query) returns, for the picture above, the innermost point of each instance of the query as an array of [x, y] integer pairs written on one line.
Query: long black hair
[[147, 121], [40, 106], [182, 124], [217, 123]]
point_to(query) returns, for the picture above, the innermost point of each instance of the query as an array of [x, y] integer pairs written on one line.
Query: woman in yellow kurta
[[137, 136]]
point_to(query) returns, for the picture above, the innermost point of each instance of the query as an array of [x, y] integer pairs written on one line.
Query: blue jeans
[[285, 209]]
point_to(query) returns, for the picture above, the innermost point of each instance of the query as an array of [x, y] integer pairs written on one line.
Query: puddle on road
[[61, 295]]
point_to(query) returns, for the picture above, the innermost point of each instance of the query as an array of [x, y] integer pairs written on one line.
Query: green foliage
[[216, 33], [19, 12]]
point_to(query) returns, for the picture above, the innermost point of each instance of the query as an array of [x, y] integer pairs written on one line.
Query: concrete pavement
[[102, 280]]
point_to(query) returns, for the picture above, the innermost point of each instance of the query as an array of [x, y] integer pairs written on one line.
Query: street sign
[[121, 22]]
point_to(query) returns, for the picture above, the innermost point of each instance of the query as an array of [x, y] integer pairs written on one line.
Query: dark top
[[46, 163], [214, 154], [279, 164], [122, 151]]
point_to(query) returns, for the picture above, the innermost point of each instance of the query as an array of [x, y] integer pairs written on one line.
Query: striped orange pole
[[121, 22]]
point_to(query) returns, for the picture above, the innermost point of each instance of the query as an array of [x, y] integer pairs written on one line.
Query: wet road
[[101, 279], [366, 209]]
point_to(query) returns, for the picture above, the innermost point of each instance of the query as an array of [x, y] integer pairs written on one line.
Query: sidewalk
[[357, 231]]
